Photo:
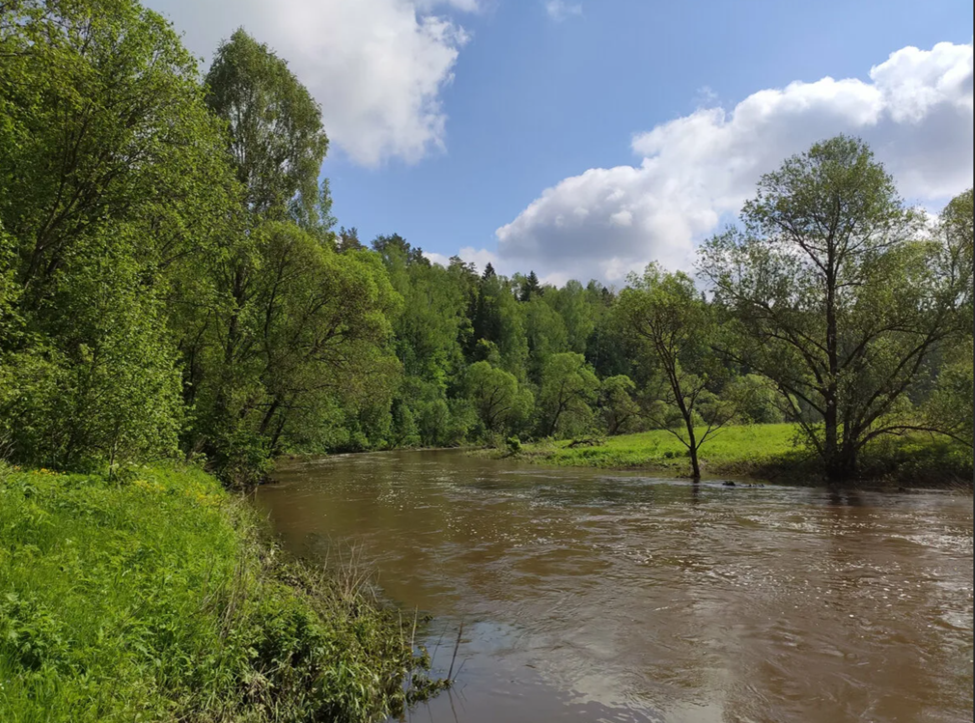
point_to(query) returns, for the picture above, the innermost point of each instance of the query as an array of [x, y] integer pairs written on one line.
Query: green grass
[[156, 599], [767, 451], [729, 449]]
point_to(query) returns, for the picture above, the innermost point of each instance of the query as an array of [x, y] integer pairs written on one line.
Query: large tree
[[111, 175], [838, 295], [278, 330], [276, 137], [569, 386], [499, 400]]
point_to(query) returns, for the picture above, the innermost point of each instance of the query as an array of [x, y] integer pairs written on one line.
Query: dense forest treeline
[[172, 282]]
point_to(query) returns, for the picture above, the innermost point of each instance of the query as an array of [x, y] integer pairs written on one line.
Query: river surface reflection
[[600, 596]]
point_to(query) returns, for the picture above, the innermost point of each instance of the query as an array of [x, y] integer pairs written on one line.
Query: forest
[[173, 284]]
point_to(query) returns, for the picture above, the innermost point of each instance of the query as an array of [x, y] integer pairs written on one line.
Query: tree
[[573, 304], [568, 388], [530, 288], [949, 409], [676, 324], [111, 177], [546, 335], [496, 395], [496, 317], [619, 411], [284, 336], [275, 126], [756, 398], [836, 296], [348, 240]]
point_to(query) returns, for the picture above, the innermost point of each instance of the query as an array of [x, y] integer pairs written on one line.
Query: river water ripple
[[597, 596]]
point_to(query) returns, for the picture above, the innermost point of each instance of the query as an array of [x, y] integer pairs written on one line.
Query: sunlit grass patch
[[153, 596], [766, 451]]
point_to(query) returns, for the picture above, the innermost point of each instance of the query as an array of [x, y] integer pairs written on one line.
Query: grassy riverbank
[[762, 452], [156, 598]]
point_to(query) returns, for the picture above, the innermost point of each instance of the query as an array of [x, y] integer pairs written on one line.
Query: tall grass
[[157, 598]]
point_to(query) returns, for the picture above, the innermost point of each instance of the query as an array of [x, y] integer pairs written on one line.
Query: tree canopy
[[171, 283]]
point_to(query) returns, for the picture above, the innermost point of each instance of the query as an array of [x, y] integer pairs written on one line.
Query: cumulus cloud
[[697, 170], [377, 67], [559, 10]]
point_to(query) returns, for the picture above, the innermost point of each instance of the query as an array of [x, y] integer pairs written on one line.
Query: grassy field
[[156, 599], [766, 452]]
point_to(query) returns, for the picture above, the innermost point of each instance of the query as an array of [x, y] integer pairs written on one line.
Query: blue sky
[[451, 118]]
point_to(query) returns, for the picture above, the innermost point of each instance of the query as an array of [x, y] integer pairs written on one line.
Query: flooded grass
[[159, 598]]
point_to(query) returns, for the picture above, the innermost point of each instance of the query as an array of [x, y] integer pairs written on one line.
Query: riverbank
[[156, 596], [767, 452]]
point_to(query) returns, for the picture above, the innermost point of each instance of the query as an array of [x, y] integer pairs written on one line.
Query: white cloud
[[377, 67], [915, 111], [559, 10]]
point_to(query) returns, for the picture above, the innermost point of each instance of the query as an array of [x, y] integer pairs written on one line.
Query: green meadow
[[771, 452]]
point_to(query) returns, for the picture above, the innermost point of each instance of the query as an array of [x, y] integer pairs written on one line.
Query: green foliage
[[501, 403], [674, 327], [546, 335], [569, 388], [620, 412], [835, 297], [573, 307], [106, 618], [496, 318], [277, 143], [756, 399], [949, 408], [110, 172], [171, 283]]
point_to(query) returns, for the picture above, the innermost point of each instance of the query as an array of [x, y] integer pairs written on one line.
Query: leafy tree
[[620, 412], [284, 335], [756, 398], [676, 324], [276, 138], [348, 240], [546, 335], [608, 348], [568, 388], [496, 318], [111, 176], [949, 409], [837, 298], [499, 400], [573, 305]]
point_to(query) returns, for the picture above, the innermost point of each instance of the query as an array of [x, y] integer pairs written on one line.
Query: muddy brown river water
[[598, 596]]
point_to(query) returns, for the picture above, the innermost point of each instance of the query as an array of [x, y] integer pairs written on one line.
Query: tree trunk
[[836, 465], [842, 466], [692, 447], [695, 465]]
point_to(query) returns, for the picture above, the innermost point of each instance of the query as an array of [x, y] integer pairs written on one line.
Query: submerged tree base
[[158, 597]]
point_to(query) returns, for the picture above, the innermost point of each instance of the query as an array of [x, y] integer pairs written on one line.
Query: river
[[601, 596]]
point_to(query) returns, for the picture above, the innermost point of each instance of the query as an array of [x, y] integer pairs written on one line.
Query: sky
[[585, 138]]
